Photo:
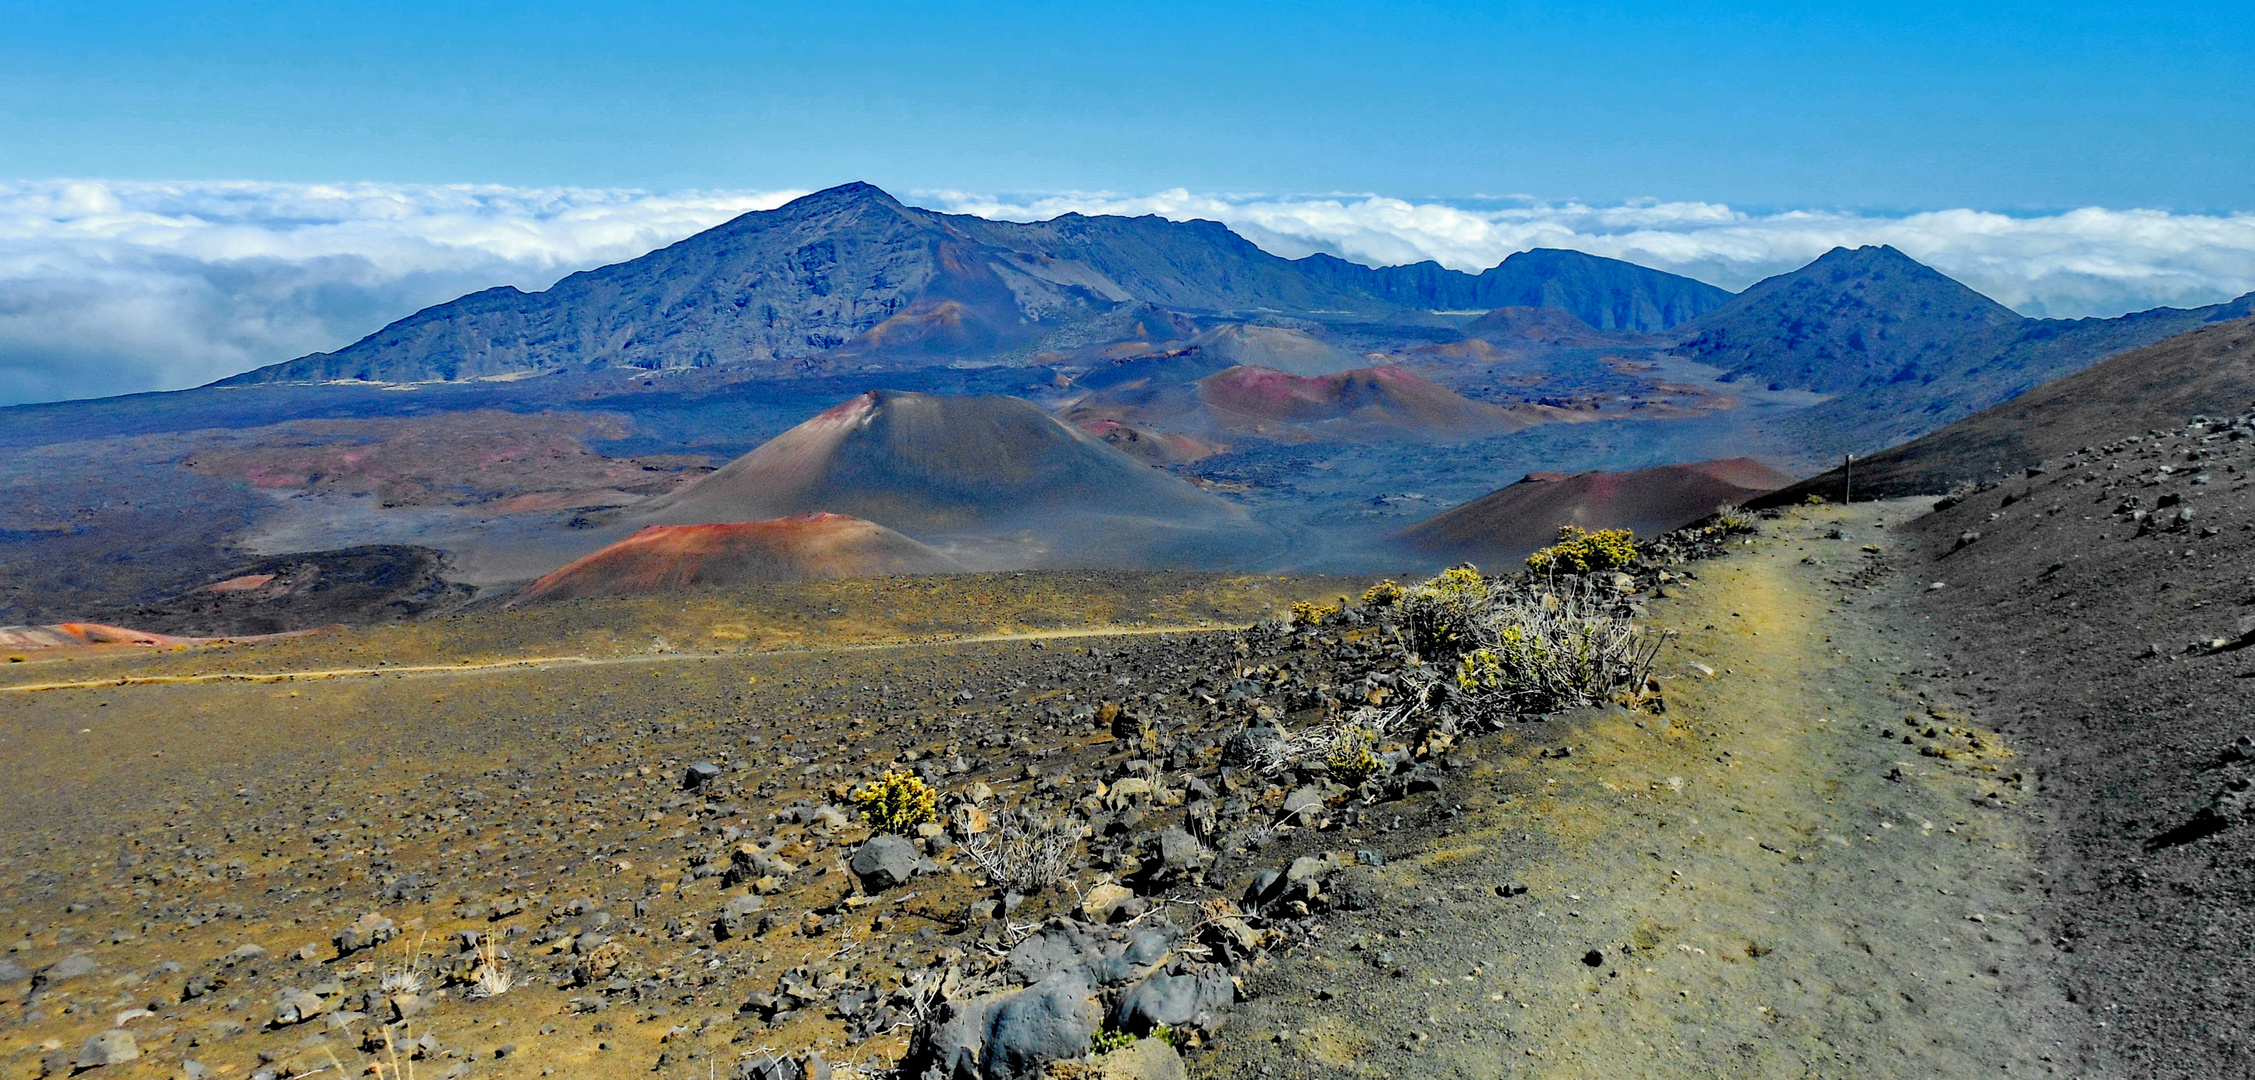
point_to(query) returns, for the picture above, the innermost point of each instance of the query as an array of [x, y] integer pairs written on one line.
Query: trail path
[[1756, 884]]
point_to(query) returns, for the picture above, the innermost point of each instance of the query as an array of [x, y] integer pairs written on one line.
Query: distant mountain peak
[[1854, 317], [853, 191]]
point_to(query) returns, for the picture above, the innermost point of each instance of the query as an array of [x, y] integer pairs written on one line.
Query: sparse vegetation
[[490, 979], [1439, 609], [1556, 649], [897, 802], [1385, 594]]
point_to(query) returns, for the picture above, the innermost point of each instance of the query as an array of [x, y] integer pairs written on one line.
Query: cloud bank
[[112, 288], [109, 288]]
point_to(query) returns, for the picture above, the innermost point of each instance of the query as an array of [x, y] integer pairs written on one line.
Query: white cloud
[[117, 287]]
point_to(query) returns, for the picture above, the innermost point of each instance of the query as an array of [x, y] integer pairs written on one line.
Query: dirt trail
[[1755, 884]]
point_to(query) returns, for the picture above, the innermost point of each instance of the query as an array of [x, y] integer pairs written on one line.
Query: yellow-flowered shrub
[[1351, 761], [1310, 613], [1579, 551], [897, 802]]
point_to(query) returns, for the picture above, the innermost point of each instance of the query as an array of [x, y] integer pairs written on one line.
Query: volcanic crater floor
[[1806, 865]]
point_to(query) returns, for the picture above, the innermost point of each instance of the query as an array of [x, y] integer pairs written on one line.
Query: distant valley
[[1156, 394]]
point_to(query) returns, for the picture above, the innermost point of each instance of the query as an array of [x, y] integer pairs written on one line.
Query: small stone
[[297, 1007], [1104, 901], [736, 915], [366, 932], [699, 775], [1304, 805]]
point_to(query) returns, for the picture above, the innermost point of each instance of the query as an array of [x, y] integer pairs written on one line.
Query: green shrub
[[1579, 551], [1441, 610], [1104, 1042], [1385, 594], [897, 802]]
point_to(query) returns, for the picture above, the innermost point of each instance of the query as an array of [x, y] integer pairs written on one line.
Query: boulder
[[1104, 901], [63, 970], [112, 1047], [960, 1038], [1052, 1019], [1174, 855], [1188, 1000], [884, 861], [297, 1007]]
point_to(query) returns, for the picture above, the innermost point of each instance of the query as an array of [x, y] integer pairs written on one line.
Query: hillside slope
[[1904, 348], [1508, 523], [2209, 370], [2098, 609]]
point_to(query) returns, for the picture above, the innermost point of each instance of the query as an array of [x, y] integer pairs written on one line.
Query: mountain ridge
[[849, 278]]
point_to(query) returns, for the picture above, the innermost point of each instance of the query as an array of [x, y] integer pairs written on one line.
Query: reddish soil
[[659, 558], [1507, 524], [926, 464], [87, 636]]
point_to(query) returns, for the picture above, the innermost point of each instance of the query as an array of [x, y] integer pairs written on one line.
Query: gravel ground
[[1809, 863]]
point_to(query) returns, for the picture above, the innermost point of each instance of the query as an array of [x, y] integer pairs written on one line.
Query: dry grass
[[1020, 851]]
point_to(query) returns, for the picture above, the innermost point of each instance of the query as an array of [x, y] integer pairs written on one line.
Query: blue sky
[[188, 191], [1887, 107]]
